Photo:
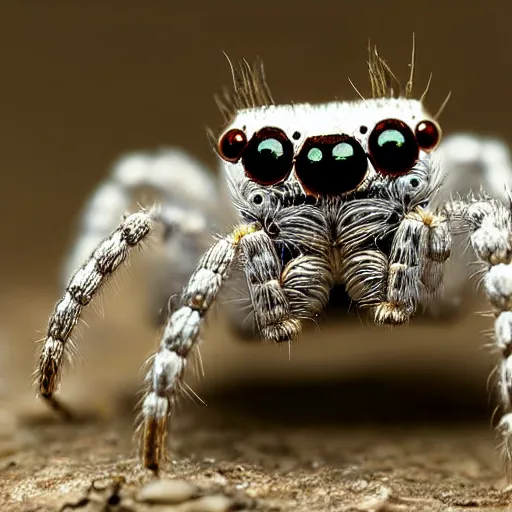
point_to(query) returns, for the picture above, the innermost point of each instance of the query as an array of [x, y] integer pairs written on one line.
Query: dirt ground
[[382, 422], [260, 461]]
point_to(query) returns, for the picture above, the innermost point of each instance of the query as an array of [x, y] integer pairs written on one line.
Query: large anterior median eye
[[268, 157], [331, 165], [393, 147]]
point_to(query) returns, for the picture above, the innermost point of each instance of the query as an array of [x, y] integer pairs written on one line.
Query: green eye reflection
[[271, 147], [268, 156], [315, 155], [342, 151], [391, 136], [393, 147], [331, 165]]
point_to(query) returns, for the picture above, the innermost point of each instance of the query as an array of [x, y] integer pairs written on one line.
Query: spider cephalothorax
[[344, 193]]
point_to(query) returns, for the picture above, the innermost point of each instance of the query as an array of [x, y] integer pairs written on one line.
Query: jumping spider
[[348, 193]]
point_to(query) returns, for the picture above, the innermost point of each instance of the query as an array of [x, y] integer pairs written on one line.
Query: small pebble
[[213, 503], [167, 492], [359, 485], [219, 479]]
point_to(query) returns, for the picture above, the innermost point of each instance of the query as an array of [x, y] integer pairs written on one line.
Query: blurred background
[[84, 82]]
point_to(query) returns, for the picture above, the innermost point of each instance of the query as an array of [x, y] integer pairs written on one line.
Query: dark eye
[[331, 165], [268, 157], [393, 147], [232, 144], [428, 135]]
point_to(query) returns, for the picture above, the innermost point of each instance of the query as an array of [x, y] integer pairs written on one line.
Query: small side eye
[[428, 135], [393, 147], [268, 157], [232, 145]]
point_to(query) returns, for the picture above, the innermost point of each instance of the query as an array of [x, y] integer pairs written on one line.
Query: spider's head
[[327, 150]]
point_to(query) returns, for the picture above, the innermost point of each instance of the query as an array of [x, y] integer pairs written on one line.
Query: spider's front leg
[[252, 246], [489, 223], [82, 287], [420, 247]]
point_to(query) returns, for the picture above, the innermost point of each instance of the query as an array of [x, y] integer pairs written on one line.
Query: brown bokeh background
[[83, 82]]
